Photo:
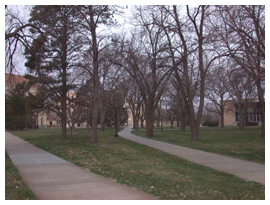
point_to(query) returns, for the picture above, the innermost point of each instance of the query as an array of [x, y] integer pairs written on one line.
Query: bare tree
[[217, 82], [92, 17], [196, 53], [170, 108], [17, 36], [243, 35], [143, 58], [135, 102], [241, 90], [110, 77]]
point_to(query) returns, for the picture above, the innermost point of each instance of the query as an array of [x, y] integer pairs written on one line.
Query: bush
[[211, 124], [252, 124], [17, 122]]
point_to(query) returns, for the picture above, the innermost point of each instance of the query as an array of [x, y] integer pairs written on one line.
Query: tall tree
[[243, 35], [190, 60], [53, 55], [92, 17], [143, 56]]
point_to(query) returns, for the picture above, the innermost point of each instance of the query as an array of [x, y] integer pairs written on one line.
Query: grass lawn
[[155, 172], [247, 144], [15, 187]]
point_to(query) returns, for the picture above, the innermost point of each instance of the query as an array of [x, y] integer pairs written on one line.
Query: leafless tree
[[196, 52], [135, 102], [241, 91], [17, 36], [143, 58], [217, 82], [242, 32], [170, 108], [92, 17]]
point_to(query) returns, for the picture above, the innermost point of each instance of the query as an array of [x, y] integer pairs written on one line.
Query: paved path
[[247, 170], [50, 177]]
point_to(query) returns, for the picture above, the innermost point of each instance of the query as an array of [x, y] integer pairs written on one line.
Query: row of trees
[[178, 49]]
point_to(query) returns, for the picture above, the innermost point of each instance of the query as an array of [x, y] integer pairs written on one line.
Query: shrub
[[211, 124], [252, 124]]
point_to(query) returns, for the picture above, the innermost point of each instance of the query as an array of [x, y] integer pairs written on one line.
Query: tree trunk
[[149, 121], [136, 125], [95, 77], [195, 132], [94, 122], [119, 114], [194, 123], [150, 127], [262, 107], [183, 122], [102, 123], [171, 124], [195, 129], [222, 112], [241, 119], [64, 117], [222, 119], [178, 119], [102, 119], [134, 120], [141, 123]]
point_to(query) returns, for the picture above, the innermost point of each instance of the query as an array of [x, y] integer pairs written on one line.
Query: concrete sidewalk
[[247, 170], [50, 177]]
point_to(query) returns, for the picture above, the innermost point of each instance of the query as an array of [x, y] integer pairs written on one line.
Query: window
[[253, 113]]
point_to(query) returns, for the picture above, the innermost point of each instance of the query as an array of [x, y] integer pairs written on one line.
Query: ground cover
[[15, 187], [230, 141], [155, 172]]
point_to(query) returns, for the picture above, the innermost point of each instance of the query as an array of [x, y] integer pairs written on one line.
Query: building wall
[[229, 114]]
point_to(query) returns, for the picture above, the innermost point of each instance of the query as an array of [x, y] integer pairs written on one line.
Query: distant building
[[231, 114]]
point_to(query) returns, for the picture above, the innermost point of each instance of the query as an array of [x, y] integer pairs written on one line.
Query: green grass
[[15, 187], [247, 144], [160, 174]]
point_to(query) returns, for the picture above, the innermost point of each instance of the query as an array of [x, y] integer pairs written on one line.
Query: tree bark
[[183, 124], [222, 112], [102, 121], [64, 117], [149, 111], [262, 107], [95, 77]]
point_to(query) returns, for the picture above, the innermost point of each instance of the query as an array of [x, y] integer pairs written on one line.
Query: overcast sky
[[24, 13]]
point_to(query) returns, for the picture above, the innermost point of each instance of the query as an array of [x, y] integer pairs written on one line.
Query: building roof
[[13, 79]]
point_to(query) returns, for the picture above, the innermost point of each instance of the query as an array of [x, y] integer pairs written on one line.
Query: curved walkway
[[50, 177], [247, 170]]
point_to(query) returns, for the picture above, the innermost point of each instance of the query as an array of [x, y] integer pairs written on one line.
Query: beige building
[[231, 116]]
